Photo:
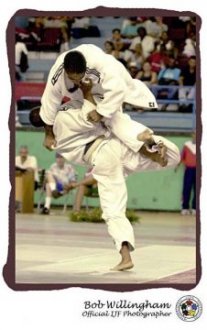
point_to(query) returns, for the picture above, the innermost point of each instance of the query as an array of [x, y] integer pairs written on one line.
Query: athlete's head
[[35, 118], [75, 66]]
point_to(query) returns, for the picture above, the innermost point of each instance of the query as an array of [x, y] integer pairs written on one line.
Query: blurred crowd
[[156, 50]]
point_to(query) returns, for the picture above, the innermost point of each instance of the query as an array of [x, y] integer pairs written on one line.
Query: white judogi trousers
[[111, 163]]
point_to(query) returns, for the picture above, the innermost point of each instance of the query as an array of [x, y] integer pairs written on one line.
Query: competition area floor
[[51, 249]]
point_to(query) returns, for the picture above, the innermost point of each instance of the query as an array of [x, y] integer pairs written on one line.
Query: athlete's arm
[[86, 86], [49, 140]]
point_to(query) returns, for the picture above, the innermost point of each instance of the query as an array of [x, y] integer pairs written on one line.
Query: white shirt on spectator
[[65, 174], [82, 22], [154, 29], [189, 48], [30, 162], [148, 44]]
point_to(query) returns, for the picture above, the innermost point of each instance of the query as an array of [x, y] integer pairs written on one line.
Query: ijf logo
[[189, 308]]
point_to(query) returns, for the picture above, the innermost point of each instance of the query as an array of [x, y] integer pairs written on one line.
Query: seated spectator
[[137, 56], [188, 74], [81, 22], [24, 161], [189, 48], [168, 45], [59, 22], [54, 30], [117, 39], [155, 26], [170, 74], [82, 28], [108, 47], [35, 30], [147, 42], [188, 78], [86, 187], [191, 26], [122, 56], [133, 69], [21, 58], [147, 75], [158, 58], [59, 181], [130, 29]]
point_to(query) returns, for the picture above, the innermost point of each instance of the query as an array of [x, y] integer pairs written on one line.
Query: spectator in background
[[155, 26], [108, 47], [130, 29], [191, 26], [59, 22], [170, 74], [147, 42], [168, 45], [24, 161], [158, 58], [188, 158], [81, 22], [86, 187], [133, 69], [189, 48], [117, 39], [59, 181], [187, 78], [147, 75], [137, 56], [123, 57], [188, 74], [21, 58]]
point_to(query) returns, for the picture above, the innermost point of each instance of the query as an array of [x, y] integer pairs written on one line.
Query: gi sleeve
[[114, 95], [51, 101]]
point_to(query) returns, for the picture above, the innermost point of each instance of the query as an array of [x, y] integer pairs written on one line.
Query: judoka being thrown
[[87, 143]]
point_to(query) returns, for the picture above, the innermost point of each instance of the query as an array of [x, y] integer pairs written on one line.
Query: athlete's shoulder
[[57, 69], [85, 48]]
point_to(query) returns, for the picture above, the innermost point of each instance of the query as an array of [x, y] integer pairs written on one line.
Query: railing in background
[[28, 94]]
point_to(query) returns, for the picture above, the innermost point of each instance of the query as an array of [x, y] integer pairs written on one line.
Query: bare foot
[[162, 150], [146, 137], [158, 156], [123, 266]]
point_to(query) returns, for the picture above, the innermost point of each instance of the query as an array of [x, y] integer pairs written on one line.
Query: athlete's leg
[[135, 136], [113, 199], [136, 162]]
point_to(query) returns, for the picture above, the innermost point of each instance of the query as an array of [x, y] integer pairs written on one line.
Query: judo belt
[[91, 147]]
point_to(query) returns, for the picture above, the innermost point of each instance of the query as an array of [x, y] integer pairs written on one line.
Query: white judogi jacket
[[113, 85], [73, 131], [110, 163]]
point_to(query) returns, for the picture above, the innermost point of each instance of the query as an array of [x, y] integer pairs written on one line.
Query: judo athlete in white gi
[[83, 142], [112, 86]]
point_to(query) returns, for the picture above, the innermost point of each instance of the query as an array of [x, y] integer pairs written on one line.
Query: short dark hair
[[35, 118], [75, 62], [141, 29]]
